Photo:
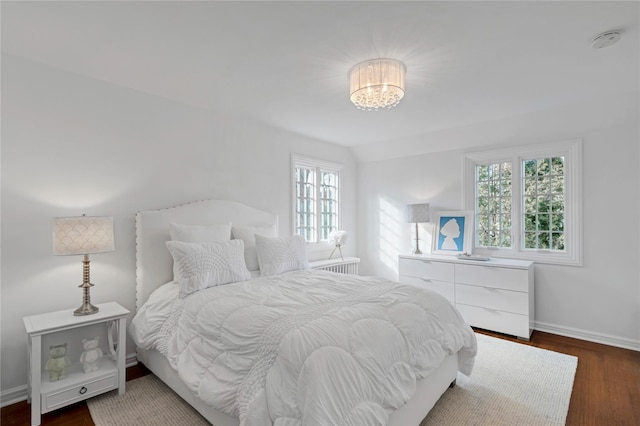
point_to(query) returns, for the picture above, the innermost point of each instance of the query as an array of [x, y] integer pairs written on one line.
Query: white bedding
[[305, 347]]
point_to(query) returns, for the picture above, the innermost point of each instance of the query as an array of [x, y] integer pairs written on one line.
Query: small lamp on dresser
[[417, 213], [83, 235]]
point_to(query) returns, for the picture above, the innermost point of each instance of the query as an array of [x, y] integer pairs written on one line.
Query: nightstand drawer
[[443, 288], [440, 271], [65, 396], [502, 322], [493, 298], [491, 276]]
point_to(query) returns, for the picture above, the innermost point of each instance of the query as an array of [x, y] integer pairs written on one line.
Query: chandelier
[[376, 83]]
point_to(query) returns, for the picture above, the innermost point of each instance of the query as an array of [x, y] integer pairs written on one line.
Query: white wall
[[599, 301], [72, 145]]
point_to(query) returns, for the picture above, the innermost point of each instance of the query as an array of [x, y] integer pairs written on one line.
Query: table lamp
[[417, 213], [83, 235]]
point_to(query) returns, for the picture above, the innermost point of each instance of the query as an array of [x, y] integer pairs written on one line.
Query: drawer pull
[[425, 279], [83, 390]]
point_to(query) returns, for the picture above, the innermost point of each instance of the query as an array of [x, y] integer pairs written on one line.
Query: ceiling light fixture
[[376, 83]]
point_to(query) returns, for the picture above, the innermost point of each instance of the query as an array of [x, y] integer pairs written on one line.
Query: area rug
[[511, 384]]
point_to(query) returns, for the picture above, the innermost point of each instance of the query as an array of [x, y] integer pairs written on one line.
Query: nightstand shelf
[[47, 396]]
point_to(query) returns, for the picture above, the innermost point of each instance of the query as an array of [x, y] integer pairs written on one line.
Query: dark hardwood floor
[[606, 389]]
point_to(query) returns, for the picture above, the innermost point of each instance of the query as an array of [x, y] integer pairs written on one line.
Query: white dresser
[[497, 294]]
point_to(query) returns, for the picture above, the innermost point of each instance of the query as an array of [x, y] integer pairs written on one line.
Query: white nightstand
[[45, 395]]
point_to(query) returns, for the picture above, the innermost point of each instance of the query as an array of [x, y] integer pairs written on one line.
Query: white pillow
[[279, 255], [247, 234], [203, 265], [198, 234]]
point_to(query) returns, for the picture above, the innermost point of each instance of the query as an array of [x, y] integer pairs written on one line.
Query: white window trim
[[570, 149], [323, 165]]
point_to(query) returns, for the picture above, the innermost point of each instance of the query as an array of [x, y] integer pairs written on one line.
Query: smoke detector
[[606, 39]]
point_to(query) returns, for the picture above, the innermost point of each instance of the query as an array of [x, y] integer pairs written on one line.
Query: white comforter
[[306, 347]]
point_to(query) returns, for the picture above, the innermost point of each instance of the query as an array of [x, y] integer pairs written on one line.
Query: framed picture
[[454, 233]]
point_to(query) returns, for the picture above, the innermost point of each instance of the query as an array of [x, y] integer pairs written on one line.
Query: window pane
[[305, 202], [542, 223], [493, 205], [543, 240], [557, 222], [557, 241], [482, 173], [328, 203], [529, 222], [543, 203], [529, 168], [557, 166]]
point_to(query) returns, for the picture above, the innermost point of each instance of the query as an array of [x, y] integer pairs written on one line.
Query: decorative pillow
[[203, 265], [247, 234], [279, 255], [198, 234]]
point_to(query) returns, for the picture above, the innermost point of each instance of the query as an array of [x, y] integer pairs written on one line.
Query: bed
[[297, 396]]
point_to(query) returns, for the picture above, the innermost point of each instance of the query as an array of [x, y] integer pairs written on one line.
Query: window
[[527, 202], [316, 186]]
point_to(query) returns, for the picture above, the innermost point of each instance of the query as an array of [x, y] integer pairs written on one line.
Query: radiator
[[347, 266]]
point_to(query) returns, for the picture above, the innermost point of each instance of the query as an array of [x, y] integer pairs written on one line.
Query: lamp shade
[[418, 213], [82, 235], [376, 83]]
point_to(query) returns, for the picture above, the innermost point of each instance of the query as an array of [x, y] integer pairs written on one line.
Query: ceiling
[[285, 63]]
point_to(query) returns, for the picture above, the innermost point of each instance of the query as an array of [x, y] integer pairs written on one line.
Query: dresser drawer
[[427, 269], [500, 321], [443, 288], [491, 276], [516, 302], [65, 396]]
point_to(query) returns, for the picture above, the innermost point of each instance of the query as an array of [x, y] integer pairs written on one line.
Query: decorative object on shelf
[[376, 83], [454, 233], [58, 363], [83, 235], [92, 354], [338, 239], [467, 256], [417, 213]]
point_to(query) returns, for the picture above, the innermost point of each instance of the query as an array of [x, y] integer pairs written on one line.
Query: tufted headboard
[[154, 265]]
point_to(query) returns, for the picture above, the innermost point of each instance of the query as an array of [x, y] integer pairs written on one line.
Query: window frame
[[571, 150], [319, 166]]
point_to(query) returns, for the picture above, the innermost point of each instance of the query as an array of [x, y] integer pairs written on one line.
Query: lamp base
[[86, 309], [339, 247], [417, 249]]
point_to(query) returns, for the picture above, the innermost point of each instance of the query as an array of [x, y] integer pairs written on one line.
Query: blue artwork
[[451, 235]]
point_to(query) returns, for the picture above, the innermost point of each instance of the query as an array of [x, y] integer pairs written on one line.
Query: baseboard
[[591, 336], [19, 393], [13, 396]]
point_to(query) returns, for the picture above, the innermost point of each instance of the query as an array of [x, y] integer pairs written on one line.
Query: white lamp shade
[[418, 213], [376, 83], [82, 235]]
